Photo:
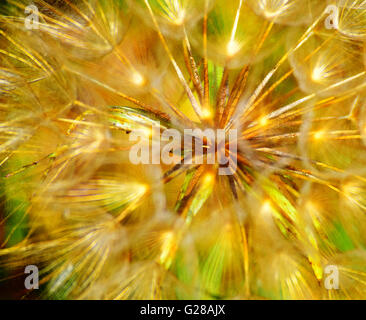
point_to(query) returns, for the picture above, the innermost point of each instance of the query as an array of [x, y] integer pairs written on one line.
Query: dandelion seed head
[[100, 226]]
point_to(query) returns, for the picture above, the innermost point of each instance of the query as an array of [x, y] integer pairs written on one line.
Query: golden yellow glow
[[233, 47], [311, 206], [263, 121], [266, 207], [208, 178], [142, 189], [206, 114], [167, 247], [271, 14], [350, 189], [184, 149], [317, 74], [146, 131], [179, 20], [318, 135], [138, 79]]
